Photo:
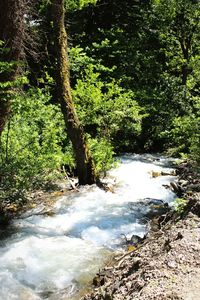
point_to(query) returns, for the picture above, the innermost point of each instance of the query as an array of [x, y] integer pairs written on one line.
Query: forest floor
[[166, 265]]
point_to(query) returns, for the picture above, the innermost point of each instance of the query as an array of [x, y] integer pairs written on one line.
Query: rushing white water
[[52, 257]]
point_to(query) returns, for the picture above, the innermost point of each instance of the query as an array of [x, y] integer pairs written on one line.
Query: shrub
[[107, 110], [31, 144]]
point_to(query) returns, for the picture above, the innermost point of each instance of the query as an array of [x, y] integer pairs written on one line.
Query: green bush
[[106, 109], [179, 205], [31, 143], [185, 134], [102, 154]]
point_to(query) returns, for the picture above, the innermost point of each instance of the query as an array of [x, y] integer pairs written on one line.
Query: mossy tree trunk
[[11, 34], [84, 161]]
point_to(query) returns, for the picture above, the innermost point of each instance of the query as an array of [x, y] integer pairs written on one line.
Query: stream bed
[[54, 257]]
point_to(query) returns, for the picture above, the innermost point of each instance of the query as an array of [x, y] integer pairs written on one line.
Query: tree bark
[[11, 34], [84, 161]]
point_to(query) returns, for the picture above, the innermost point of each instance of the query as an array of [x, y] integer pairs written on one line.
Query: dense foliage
[[135, 80], [31, 142]]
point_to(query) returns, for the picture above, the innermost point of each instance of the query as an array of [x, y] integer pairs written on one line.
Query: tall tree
[[11, 34], [84, 161], [185, 28]]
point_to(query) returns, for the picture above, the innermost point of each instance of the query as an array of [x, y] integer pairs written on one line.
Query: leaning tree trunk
[[11, 34], [84, 161]]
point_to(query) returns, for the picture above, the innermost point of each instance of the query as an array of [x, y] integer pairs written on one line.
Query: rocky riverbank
[[43, 199], [165, 265]]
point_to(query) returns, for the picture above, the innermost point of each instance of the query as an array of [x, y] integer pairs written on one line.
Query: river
[[54, 257]]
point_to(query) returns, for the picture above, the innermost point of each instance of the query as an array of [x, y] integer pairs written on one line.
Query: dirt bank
[[166, 265]]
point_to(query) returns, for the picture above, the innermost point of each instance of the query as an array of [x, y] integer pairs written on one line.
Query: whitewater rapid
[[54, 257]]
